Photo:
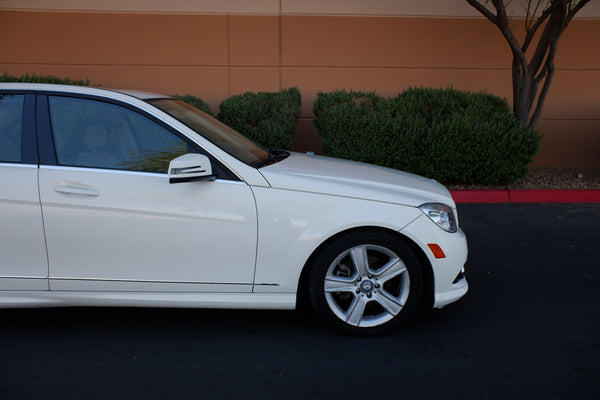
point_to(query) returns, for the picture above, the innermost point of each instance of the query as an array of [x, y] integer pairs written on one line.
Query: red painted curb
[[555, 196], [480, 196], [526, 196]]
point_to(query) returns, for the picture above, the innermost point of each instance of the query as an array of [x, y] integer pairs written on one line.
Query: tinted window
[[11, 122], [89, 133], [218, 133]]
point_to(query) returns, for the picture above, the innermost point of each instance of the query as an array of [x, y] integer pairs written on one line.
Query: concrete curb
[[526, 196]]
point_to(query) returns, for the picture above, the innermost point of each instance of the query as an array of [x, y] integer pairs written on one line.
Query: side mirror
[[190, 167]]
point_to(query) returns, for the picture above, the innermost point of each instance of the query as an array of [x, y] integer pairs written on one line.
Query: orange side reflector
[[436, 250]]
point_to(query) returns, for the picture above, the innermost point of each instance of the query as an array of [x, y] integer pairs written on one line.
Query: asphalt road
[[529, 328]]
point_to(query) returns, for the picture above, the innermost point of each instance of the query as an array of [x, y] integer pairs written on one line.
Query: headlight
[[441, 214]]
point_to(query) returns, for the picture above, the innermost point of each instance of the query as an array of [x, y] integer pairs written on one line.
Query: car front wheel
[[365, 282]]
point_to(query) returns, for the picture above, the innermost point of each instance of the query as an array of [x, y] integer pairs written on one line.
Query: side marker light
[[436, 250]]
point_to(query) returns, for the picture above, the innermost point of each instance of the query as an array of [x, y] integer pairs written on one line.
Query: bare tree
[[527, 75]]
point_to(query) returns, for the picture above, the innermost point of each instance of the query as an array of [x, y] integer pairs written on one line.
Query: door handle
[[66, 189]]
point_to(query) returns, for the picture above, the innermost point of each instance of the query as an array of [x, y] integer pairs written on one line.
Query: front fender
[[292, 225]]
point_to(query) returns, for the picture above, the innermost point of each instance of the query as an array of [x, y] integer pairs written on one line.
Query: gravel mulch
[[548, 178]]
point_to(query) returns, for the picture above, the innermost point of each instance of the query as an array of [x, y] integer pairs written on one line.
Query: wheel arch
[[427, 298]]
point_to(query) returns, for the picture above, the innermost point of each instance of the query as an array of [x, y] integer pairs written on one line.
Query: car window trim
[[29, 150], [122, 172], [46, 148]]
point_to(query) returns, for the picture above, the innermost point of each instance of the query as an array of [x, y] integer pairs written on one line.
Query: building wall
[[215, 48]]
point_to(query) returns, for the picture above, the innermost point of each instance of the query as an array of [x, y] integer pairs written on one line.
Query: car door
[[23, 261], [113, 221]]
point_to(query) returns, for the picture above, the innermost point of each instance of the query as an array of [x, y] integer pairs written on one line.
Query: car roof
[[142, 95]]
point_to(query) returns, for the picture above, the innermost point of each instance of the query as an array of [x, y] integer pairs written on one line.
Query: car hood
[[324, 175]]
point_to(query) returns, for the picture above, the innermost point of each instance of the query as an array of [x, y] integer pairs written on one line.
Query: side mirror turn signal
[[190, 167]]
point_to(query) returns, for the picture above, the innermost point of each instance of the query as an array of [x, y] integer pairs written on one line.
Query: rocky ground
[[549, 178]]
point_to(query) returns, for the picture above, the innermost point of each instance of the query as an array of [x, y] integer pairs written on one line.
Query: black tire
[[365, 282]]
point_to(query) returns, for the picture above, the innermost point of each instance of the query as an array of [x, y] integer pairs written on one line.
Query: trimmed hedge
[[452, 136], [267, 118], [196, 102], [42, 79]]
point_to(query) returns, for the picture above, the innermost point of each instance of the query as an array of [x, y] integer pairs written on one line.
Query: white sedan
[[126, 198]]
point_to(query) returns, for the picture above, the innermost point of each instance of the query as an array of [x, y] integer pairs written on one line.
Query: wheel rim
[[367, 285]]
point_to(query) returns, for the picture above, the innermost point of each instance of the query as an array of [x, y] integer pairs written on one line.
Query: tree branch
[[531, 31], [503, 25], [574, 10], [483, 10], [550, 35], [541, 99], [530, 16], [501, 21], [541, 75]]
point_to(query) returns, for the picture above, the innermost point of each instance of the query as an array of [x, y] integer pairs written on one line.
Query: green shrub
[[196, 102], [452, 136], [266, 118], [42, 79]]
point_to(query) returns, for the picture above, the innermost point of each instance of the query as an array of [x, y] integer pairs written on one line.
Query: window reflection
[[94, 134], [11, 120]]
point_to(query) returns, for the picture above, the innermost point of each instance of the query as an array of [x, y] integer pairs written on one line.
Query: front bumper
[[449, 283]]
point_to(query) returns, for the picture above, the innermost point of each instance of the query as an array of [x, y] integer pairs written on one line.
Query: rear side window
[[11, 125]]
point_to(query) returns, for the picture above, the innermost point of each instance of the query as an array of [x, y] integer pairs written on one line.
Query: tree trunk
[[526, 76]]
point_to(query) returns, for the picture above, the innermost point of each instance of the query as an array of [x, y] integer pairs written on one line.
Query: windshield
[[213, 130]]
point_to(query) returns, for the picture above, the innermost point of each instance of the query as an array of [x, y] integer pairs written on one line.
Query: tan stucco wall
[[234, 46]]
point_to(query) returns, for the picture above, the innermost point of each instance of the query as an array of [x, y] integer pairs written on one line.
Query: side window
[[11, 122], [95, 134]]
